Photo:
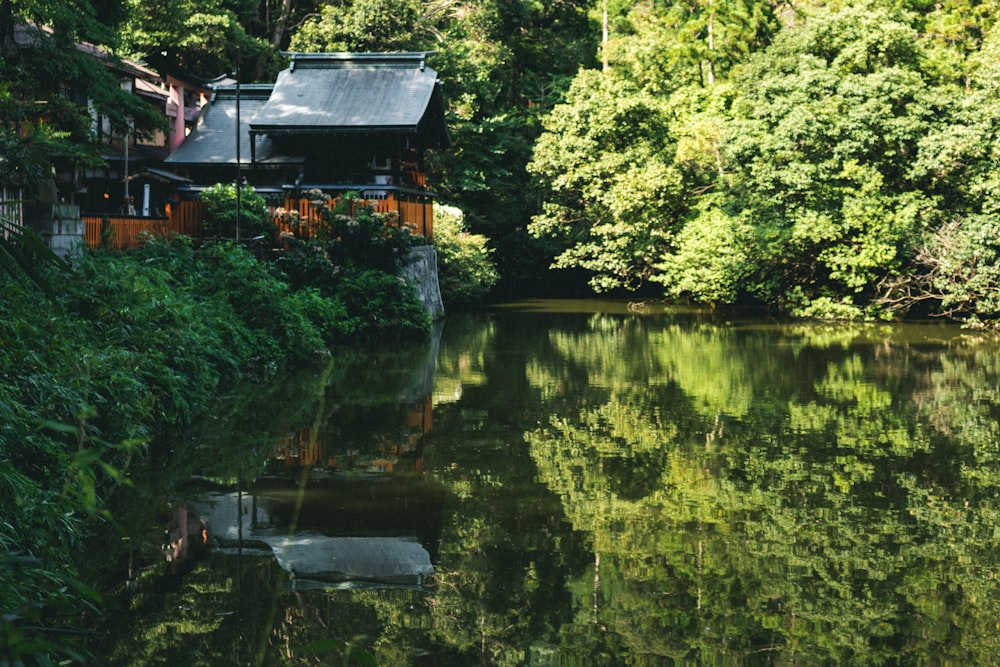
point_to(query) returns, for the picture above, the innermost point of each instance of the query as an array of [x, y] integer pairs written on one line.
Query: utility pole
[[125, 207], [239, 174]]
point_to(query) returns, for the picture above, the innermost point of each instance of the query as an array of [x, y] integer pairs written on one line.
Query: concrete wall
[[65, 234], [420, 270]]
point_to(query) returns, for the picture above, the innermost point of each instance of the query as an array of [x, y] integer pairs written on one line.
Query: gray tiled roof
[[319, 93], [213, 140], [343, 92]]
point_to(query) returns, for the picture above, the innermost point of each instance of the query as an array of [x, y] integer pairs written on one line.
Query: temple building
[[331, 122]]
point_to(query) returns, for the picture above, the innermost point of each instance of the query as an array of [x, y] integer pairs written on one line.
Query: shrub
[[383, 306], [220, 214], [353, 234], [466, 273], [306, 263]]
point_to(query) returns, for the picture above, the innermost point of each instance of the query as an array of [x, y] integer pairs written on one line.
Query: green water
[[581, 483]]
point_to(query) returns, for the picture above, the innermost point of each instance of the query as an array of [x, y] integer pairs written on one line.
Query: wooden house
[[331, 122], [103, 186]]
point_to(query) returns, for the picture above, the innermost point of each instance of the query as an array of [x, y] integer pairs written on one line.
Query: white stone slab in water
[[312, 555], [343, 558]]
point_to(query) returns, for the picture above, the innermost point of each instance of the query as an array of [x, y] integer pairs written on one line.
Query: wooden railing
[[120, 232], [11, 205], [413, 207], [123, 232]]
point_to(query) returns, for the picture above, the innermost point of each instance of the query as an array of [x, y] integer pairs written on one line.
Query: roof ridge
[[347, 60]]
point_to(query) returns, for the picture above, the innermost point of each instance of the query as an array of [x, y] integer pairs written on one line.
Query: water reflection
[[339, 506], [594, 483]]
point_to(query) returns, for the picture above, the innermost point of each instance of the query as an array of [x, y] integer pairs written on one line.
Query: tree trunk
[[281, 25]]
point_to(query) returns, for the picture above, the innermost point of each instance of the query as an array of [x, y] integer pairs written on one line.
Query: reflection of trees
[[710, 494], [506, 551], [845, 512], [461, 357]]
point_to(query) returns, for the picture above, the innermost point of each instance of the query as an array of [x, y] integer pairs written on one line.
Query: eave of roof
[[30, 35]]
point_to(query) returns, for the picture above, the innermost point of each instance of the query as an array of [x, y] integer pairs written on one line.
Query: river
[[578, 483]]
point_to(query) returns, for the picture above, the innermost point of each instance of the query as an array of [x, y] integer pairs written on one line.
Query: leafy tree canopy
[[818, 163]]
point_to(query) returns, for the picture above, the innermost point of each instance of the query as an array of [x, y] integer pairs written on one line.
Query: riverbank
[[125, 348]]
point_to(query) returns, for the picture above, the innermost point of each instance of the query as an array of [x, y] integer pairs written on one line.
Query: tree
[[50, 88], [712, 37], [826, 127], [465, 272], [625, 158], [606, 156], [207, 39], [955, 266], [361, 25], [504, 64]]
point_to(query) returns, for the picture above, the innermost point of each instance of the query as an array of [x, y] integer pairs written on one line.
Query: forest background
[[825, 159]]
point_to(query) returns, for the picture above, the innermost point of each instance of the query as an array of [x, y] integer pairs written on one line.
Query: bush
[[383, 306], [220, 214], [306, 263], [53, 461], [131, 345], [962, 262], [362, 239], [466, 273]]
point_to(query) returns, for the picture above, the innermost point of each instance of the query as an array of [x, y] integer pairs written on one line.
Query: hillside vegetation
[[830, 159]]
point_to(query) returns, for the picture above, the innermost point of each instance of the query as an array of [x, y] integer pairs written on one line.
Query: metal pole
[[125, 210], [239, 175]]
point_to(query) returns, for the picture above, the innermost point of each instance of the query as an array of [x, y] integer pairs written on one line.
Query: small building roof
[[351, 92], [320, 96], [213, 140]]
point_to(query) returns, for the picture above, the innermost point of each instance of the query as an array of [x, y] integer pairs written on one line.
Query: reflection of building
[[332, 515], [186, 536], [350, 530], [395, 451]]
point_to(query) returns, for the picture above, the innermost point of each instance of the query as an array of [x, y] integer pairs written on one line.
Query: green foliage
[[819, 174], [206, 38], [962, 263], [48, 84], [221, 215], [383, 306], [615, 195], [364, 25], [132, 345], [306, 262], [720, 37], [353, 259], [503, 64], [55, 453], [711, 258], [358, 237], [465, 272], [826, 125], [21, 250]]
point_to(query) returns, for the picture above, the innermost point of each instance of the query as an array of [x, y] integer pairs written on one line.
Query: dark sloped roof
[[213, 140], [345, 92], [320, 94]]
